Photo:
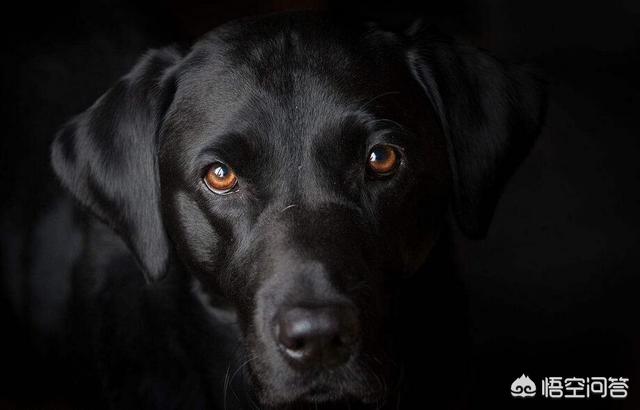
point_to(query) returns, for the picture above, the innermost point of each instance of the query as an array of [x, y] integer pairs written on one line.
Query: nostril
[[292, 332], [319, 335], [296, 344]]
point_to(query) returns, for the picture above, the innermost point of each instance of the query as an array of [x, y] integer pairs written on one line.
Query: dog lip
[[332, 390], [322, 393]]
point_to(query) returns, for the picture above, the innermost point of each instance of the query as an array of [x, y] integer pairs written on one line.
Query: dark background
[[552, 291]]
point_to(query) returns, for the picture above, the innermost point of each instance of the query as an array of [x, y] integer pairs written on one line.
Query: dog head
[[299, 169]]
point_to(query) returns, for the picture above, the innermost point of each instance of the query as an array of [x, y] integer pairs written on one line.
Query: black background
[[552, 291]]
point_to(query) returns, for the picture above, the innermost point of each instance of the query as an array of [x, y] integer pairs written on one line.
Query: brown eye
[[383, 159], [220, 178]]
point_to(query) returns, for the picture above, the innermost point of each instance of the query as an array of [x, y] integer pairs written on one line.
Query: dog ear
[[490, 113], [106, 157]]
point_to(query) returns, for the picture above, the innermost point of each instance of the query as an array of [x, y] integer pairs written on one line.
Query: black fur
[[293, 102]]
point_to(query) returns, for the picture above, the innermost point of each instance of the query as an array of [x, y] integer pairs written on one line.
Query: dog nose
[[319, 336]]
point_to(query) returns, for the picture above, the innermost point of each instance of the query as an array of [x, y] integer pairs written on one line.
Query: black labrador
[[278, 185]]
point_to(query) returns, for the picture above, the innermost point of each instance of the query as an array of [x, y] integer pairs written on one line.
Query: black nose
[[318, 336]]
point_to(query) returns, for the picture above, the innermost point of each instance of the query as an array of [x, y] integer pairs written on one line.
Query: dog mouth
[[353, 384], [324, 393], [319, 393], [329, 394]]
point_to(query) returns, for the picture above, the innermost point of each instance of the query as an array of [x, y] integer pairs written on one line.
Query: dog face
[[299, 169], [333, 179]]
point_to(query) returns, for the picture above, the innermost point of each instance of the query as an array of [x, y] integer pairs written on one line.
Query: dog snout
[[323, 336]]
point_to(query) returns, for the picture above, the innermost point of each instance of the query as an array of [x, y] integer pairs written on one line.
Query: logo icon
[[523, 386]]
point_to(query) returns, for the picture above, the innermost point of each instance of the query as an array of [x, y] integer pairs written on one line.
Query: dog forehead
[[232, 106], [285, 55], [235, 83]]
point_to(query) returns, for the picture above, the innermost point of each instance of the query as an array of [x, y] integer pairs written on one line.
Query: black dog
[[278, 184]]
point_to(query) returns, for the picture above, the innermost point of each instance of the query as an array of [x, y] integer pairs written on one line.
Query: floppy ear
[[106, 157], [490, 113]]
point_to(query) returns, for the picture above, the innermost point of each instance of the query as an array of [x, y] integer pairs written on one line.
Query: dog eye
[[220, 178], [383, 160]]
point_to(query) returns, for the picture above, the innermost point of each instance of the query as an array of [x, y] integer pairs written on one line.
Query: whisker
[[287, 207], [363, 106], [226, 385], [229, 380], [385, 120]]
